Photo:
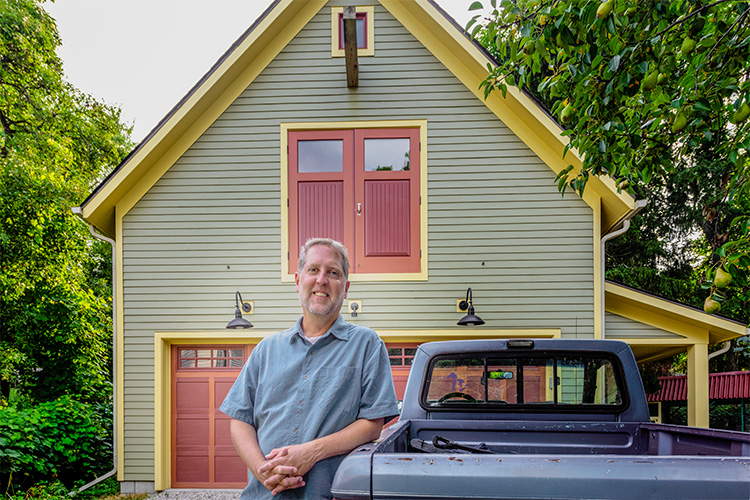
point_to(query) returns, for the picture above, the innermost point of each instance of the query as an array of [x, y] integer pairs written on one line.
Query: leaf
[[476, 6], [614, 64]]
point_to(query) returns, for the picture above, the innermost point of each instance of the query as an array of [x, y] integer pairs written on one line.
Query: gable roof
[[263, 41]]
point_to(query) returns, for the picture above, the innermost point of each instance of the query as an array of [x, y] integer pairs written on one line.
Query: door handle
[[359, 209]]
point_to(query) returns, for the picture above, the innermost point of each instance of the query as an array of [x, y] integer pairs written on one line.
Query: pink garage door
[[203, 455]]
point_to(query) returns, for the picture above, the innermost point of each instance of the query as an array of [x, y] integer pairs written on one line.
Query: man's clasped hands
[[285, 467]]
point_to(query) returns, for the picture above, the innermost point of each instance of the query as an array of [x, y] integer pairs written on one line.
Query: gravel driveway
[[186, 494]]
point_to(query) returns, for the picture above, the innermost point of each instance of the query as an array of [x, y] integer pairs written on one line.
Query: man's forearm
[[304, 456], [245, 441], [355, 434]]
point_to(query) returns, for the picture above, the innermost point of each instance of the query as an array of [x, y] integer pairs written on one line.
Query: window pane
[[394, 351], [203, 363], [502, 378], [407, 361], [187, 353], [361, 40], [320, 156], [387, 154], [396, 362], [537, 381], [220, 353], [204, 353], [452, 376], [235, 353], [220, 363], [587, 381], [235, 363], [410, 351], [187, 363]]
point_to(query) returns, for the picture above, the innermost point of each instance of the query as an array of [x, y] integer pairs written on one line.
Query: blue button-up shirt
[[293, 391]]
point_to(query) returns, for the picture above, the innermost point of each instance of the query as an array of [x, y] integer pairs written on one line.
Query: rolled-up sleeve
[[378, 393]]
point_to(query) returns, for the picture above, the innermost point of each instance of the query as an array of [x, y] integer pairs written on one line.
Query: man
[[310, 394]]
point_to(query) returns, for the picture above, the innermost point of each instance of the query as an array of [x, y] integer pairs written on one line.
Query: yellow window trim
[[369, 19], [284, 176]]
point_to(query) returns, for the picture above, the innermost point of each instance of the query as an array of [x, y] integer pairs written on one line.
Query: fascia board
[[203, 105], [517, 110], [671, 316]]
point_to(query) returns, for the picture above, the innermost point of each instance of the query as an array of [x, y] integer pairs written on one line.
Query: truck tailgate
[[401, 476]]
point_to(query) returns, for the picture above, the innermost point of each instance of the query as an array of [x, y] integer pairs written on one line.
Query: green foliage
[[53, 440], [55, 144], [649, 91]]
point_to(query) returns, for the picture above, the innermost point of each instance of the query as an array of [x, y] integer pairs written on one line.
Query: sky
[[145, 55]]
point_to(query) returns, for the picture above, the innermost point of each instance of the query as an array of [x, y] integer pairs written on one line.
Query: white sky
[[145, 55]]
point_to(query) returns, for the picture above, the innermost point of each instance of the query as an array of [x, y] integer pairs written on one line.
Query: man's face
[[321, 283]]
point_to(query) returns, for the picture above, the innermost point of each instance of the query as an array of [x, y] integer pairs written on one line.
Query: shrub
[[63, 440]]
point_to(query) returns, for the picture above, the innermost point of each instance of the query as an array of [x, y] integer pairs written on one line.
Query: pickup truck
[[538, 419]]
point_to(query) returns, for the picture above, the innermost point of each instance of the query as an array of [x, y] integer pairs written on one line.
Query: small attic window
[[365, 31]]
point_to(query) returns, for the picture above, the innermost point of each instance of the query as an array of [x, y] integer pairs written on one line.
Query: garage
[[202, 453]]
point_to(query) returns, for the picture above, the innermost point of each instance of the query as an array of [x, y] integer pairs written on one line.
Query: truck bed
[[550, 460]]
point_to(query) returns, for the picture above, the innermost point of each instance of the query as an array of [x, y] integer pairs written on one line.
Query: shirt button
[[306, 377], [301, 403], [296, 429]]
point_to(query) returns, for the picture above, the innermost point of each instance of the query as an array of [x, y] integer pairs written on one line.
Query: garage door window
[[191, 359]]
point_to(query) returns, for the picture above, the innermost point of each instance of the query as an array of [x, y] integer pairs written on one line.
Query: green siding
[[211, 225], [619, 327]]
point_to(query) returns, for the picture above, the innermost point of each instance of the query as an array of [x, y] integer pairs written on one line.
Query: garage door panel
[[192, 468]]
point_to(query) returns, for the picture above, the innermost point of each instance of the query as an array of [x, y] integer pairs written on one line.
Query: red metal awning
[[727, 385]]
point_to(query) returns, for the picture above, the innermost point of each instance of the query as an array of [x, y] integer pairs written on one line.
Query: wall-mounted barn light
[[238, 321], [466, 305]]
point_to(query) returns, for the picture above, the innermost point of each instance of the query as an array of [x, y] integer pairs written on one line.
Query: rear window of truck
[[553, 381]]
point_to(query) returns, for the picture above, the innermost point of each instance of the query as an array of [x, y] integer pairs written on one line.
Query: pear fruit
[[722, 278], [605, 9], [650, 82], [680, 122], [688, 45], [711, 306], [741, 114], [529, 48], [567, 113]]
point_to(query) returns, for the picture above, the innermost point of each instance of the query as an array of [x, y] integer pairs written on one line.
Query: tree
[[55, 144], [651, 92]]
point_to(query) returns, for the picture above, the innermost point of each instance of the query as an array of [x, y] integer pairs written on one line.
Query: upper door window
[[360, 187]]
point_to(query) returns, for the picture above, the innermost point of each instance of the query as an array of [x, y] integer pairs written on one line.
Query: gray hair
[[333, 244]]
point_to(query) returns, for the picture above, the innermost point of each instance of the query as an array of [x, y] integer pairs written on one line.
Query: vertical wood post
[[350, 47], [697, 385]]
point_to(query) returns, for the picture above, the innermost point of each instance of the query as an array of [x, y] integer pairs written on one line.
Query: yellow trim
[[669, 316], [243, 64], [598, 272], [697, 385], [120, 355], [163, 341], [200, 110], [519, 113], [370, 18], [464, 334], [284, 177]]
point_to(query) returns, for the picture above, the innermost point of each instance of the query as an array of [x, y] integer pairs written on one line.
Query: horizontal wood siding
[[619, 327], [211, 225]]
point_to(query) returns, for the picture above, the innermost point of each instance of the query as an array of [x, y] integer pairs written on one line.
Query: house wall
[[620, 327], [212, 224]]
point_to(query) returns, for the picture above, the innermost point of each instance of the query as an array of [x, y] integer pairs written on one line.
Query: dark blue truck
[[538, 419]]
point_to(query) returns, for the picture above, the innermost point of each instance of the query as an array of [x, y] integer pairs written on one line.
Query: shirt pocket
[[337, 389]]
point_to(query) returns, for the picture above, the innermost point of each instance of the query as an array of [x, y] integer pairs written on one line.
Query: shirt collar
[[339, 329]]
